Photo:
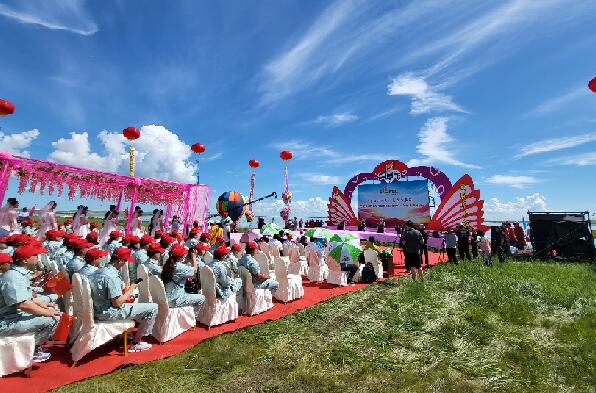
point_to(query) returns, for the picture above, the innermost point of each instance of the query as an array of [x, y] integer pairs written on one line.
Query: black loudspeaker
[[567, 233]]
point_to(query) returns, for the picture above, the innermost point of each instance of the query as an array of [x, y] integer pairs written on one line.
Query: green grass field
[[517, 327]]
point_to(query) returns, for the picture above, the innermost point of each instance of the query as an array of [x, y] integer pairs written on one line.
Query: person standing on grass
[[450, 245], [474, 243], [424, 250], [484, 245], [463, 242], [412, 243]]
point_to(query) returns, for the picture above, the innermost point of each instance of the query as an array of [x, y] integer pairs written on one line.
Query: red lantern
[[198, 148], [286, 155], [6, 107], [254, 163], [592, 85], [131, 133]]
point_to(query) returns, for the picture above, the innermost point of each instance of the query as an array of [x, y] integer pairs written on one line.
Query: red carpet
[[57, 371]]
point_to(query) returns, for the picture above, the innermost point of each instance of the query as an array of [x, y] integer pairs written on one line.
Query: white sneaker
[[139, 347], [40, 357]]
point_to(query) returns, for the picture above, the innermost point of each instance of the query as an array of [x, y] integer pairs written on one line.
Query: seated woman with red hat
[[174, 275], [93, 258], [224, 285], [231, 261], [114, 241], [110, 299], [153, 261], [54, 243], [27, 228], [259, 280], [79, 247], [192, 238], [20, 311]]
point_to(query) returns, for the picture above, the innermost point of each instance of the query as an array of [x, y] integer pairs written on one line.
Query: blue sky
[[496, 89]]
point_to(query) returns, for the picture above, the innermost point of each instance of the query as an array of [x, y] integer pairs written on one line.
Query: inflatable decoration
[[286, 155], [460, 203], [254, 163], [232, 203], [131, 133], [287, 197], [592, 85], [198, 148]]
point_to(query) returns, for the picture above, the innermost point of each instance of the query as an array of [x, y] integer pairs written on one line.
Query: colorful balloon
[[6, 107], [231, 202], [131, 133], [254, 163], [286, 155], [198, 148], [592, 85]]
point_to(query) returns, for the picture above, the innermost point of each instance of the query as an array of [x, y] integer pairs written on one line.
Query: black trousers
[[351, 269], [425, 253], [451, 255], [474, 250], [464, 251]]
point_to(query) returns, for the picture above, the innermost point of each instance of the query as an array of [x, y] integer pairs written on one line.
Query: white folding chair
[[124, 273], [16, 353], [170, 321], [290, 285], [297, 265], [93, 334], [264, 264], [208, 257], [215, 311], [371, 256], [254, 300], [274, 251], [301, 250], [336, 276], [144, 292], [316, 270]]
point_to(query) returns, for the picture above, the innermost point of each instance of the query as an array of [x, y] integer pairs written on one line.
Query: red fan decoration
[[131, 133], [286, 155], [198, 148], [254, 163], [592, 85], [6, 107]]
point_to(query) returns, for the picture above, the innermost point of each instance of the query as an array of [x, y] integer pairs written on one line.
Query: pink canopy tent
[[188, 201]]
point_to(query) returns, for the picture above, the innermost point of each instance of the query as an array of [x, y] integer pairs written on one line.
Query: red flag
[[58, 284], [63, 328]]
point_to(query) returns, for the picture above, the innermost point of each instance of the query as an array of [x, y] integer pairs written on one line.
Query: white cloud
[[424, 99], [213, 157], [319, 178], [68, 15], [337, 119], [306, 150], [434, 145], [559, 102], [502, 210], [160, 154], [17, 143], [512, 180], [583, 159], [554, 144], [312, 207]]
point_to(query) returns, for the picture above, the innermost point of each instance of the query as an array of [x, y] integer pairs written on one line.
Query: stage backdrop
[[397, 202]]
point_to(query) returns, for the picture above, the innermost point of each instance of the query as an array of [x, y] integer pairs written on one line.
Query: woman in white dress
[[110, 223], [136, 227], [47, 219], [80, 225], [8, 217]]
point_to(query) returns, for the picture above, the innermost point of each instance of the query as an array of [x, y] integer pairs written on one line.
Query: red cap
[[123, 253], [155, 247], [28, 251], [159, 232], [115, 234], [95, 253], [168, 239], [5, 258], [4, 240], [94, 225], [26, 223], [236, 247], [252, 245], [146, 239], [178, 251], [174, 233], [134, 239], [81, 243], [221, 252], [219, 239], [92, 235], [194, 230], [17, 239], [205, 236], [202, 247], [289, 235], [67, 222]]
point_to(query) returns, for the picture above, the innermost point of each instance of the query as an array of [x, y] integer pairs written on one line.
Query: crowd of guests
[[27, 307]]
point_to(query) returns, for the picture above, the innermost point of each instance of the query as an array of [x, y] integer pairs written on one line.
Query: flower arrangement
[[287, 197]]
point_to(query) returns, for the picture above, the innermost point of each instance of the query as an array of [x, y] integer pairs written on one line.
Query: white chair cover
[[144, 292], [316, 271], [16, 353], [170, 322], [358, 276], [301, 250], [286, 250], [290, 285], [92, 334], [371, 256], [336, 276], [264, 264], [254, 301], [274, 251], [297, 265], [208, 257], [53, 267], [215, 311]]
